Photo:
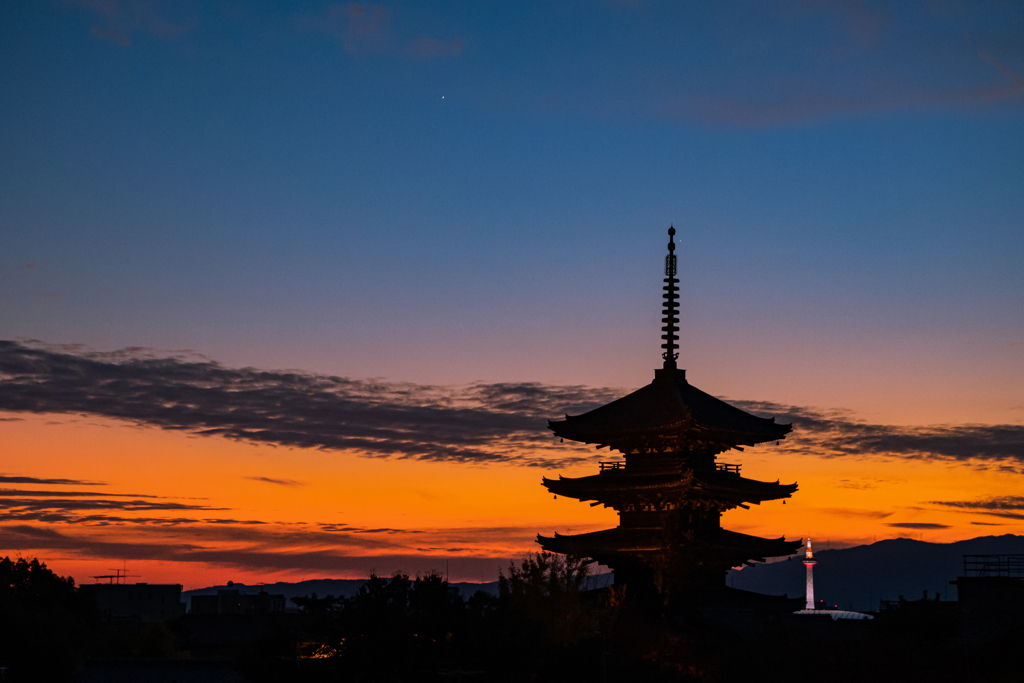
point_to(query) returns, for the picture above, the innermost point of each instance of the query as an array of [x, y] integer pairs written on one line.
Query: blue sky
[[446, 192]]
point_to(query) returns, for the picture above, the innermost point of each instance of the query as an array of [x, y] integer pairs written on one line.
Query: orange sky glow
[[336, 514]]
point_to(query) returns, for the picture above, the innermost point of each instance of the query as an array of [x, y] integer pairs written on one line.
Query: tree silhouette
[[548, 589], [45, 622]]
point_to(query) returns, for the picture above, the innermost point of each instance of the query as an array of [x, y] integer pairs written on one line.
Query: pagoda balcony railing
[[727, 468], [612, 466]]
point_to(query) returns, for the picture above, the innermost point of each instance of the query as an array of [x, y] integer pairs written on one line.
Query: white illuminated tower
[[809, 563], [809, 608]]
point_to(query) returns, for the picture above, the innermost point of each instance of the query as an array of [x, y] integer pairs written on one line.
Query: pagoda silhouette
[[670, 490]]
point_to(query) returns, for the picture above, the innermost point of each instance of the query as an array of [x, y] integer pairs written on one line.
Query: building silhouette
[[991, 596], [232, 601], [142, 602], [669, 489]]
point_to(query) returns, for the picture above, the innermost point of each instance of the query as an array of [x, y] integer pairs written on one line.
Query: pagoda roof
[[669, 408], [703, 483], [645, 540]]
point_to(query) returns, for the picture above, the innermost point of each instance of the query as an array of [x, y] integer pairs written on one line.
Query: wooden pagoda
[[670, 490]]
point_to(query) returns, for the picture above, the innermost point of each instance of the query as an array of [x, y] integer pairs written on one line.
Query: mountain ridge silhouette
[[858, 578], [855, 578], [349, 587]]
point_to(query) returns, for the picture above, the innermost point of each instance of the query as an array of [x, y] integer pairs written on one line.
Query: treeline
[[542, 625], [46, 625]]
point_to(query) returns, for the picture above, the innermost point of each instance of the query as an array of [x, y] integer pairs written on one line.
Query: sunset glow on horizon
[[272, 308]]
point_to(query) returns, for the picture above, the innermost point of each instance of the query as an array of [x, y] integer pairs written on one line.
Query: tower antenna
[[670, 314]]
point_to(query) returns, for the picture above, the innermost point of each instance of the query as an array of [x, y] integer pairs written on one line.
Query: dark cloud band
[[285, 549], [836, 434], [477, 423], [10, 479], [277, 482], [1007, 507]]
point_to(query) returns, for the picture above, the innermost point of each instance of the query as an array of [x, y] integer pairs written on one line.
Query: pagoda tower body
[[669, 489]]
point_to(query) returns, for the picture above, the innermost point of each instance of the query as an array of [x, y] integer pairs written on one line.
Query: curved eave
[[598, 486], [669, 408], [564, 429], [762, 490], [648, 540], [585, 546]]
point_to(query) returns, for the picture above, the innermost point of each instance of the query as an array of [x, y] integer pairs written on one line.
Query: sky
[[289, 290]]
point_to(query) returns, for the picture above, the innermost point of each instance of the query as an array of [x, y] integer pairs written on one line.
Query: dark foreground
[[637, 646], [542, 627]]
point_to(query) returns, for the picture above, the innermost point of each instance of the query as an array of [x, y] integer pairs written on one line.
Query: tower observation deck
[[669, 489]]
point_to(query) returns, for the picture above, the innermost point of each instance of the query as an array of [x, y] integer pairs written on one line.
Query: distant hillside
[[856, 578], [852, 578], [336, 587], [349, 587]]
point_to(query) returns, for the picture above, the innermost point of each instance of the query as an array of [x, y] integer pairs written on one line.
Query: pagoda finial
[[670, 318]]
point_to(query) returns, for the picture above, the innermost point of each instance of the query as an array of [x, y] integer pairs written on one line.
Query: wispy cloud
[[809, 102], [102, 508], [367, 29], [273, 553], [23, 507], [34, 493], [360, 28], [855, 514], [103, 524], [865, 57], [12, 479], [477, 423], [1009, 507], [120, 19], [270, 547], [837, 434], [863, 483], [917, 525], [348, 529], [277, 482], [1002, 67]]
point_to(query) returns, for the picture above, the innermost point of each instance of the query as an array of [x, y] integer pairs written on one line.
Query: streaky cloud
[[276, 547], [856, 514], [837, 434], [997, 503], [14, 504], [1007, 507], [277, 482], [31, 493], [479, 423], [11, 479]]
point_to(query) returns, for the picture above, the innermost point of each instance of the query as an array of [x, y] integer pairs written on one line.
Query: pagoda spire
[[670, 315]]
